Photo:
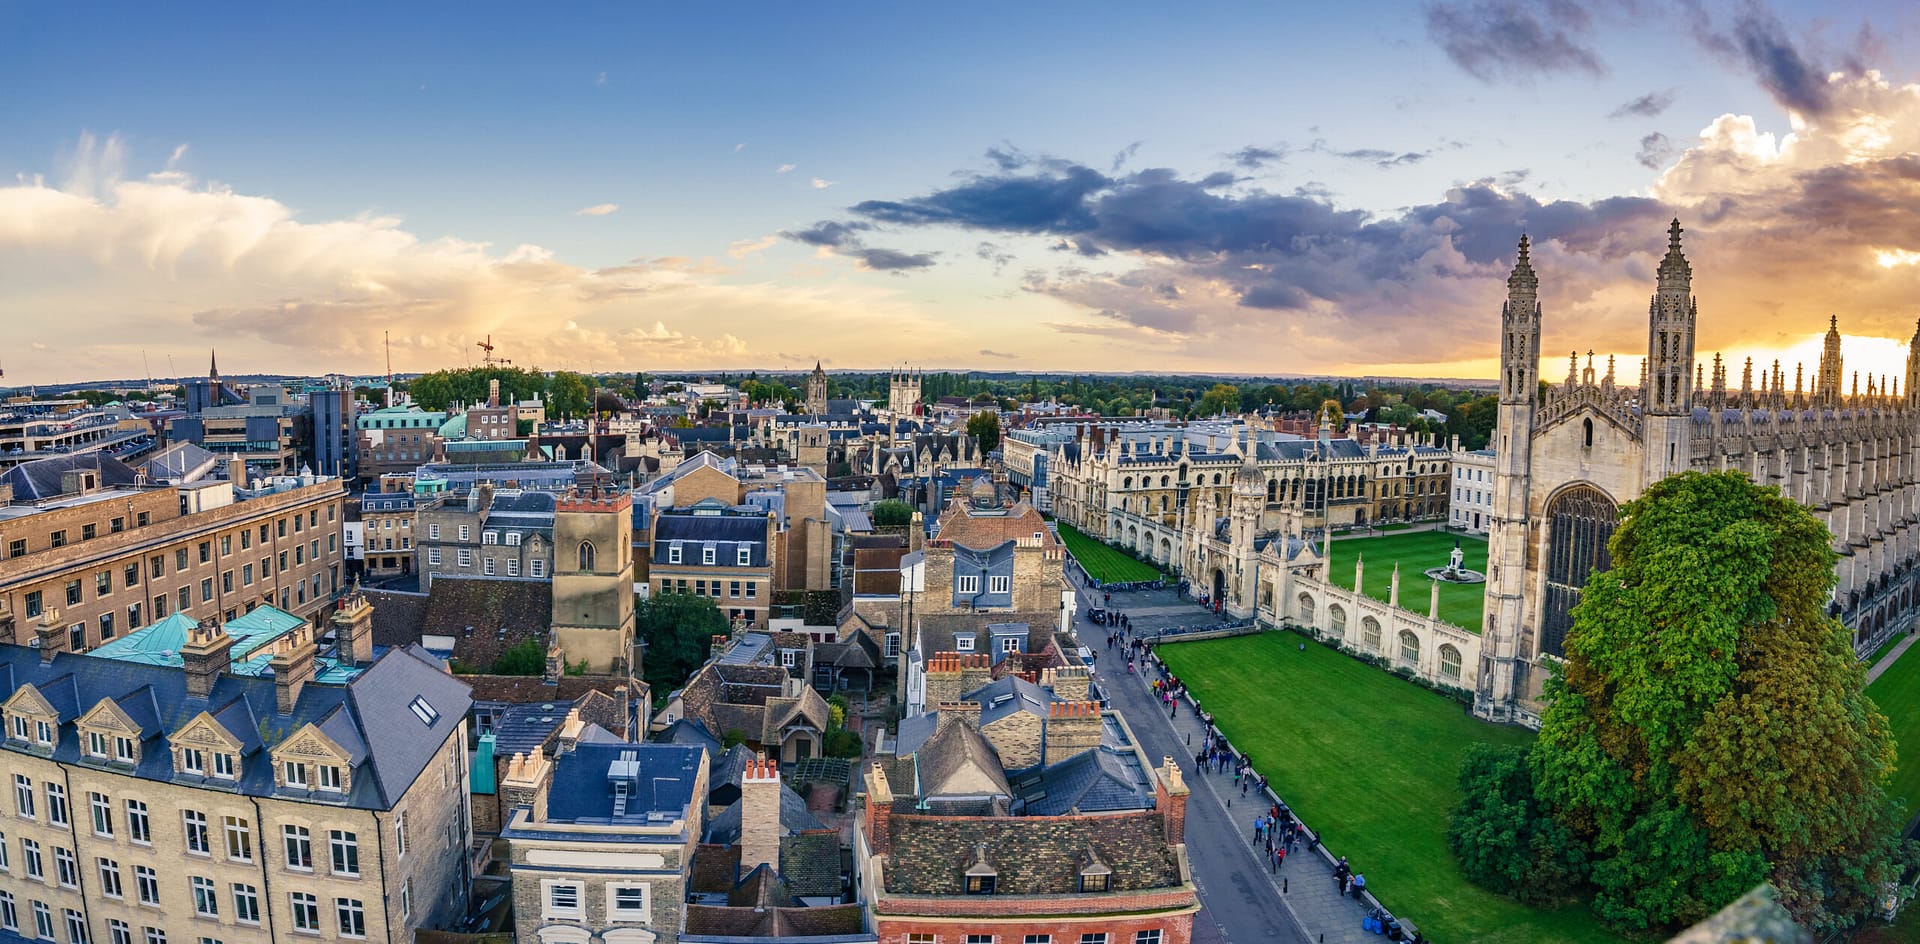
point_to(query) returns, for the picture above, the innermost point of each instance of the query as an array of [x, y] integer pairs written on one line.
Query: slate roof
[[660, 782], [39, 479], [369, 717], [1030, 855], [724, 828], [1007, 696], [958, 761], [1101, 780], [179, 463], [397, 616], [748, 698], [728, 532], [810, 862]]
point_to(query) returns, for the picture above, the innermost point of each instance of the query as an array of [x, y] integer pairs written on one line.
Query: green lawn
[[1370, 762], [1103, 563], [1460, 603], [1897, 692]]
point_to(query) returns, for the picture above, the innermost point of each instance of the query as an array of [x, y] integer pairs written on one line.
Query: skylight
[[425, 712]]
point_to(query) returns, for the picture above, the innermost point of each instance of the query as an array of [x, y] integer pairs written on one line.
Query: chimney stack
[[879, 810], [353, 630], [760, 815], [1170, 797], [570, 732], [237, 471], [207, 656], [292, 669], [526, 784], [50, 634]]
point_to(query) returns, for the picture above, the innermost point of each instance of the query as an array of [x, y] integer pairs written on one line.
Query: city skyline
[[619, 189]]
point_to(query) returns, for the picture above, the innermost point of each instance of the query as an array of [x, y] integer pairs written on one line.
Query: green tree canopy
[[1222, 398], [678, 629], [892, 513], [985, 426], [571, 394], [1708, 729]]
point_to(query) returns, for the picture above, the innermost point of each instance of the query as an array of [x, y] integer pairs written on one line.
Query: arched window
[[1336, 621], [1370, 632], [1306, 608], [1163, 503], [1449, 662], [586, 557], [1216, 478], [1273, 489], [1580, 520], [1587, 426], [1127, 482], [1409, 647]]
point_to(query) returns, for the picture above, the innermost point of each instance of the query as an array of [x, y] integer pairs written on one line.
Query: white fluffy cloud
[[103, 267], [598, 209]]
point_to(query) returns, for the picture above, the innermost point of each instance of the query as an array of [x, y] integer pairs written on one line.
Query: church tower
[[1248, 501], [1503, 667], [1829, 391], [1913, 368], [1667, 397], [903, 391], [817, 391]]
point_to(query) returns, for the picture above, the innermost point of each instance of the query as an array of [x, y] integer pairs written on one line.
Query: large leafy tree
[[678, 629], [985, 426], [1708, 730]]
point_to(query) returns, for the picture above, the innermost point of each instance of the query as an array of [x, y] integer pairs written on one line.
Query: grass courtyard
[[1897, 692], [1103, 563], [1460, 603], [1371, 762]]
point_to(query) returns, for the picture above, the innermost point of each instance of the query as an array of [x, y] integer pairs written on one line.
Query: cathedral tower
[[817, 391], [1667, 397], [1503, 668], [903, 391], [1828, 390], [1913, 368]]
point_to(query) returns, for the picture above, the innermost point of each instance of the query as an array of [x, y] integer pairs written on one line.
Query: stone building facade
[[485, 532], [105, 553], [185, 803], [593, 619], [1566, 461]]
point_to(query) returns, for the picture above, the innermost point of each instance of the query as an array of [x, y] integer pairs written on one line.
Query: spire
[[1523, 279], [213, 365], [1675, 273]]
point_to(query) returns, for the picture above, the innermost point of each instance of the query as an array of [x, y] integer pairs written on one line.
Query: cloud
[[1515, 39], [1654, 151], [785, 168], [739, 147], [742, 248], [821, 184], [598, 209], [1649, 105], [989, 352], [1381, 158], [844, 239], [600, 80], [1777, 227], [165, 261], [1253, 157], [1126, 154]]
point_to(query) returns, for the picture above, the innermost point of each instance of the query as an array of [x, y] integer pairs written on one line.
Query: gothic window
[[1336, 621], [1449, 663], [1409, 647], [1306, 608], [1370, 632], [1587, 426], [586, 557], [1273, 489], [1580, 520]]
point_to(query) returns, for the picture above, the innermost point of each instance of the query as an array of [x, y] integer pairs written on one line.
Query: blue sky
[[289, 183]]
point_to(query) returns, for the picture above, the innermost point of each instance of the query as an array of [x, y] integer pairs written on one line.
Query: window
[[102, 814], [196, 827], [73, 593], [700, 588], [9, 914], [921, 937], [43, 920], [226, 543], [433, 532], [146, 883], [130, 575], [513, 567], [1094, 937], [306, 911], [155, 935], [206, 902], [587, 556], [299, 845], [106, 626], [967, 584], [787, 658], [979, 939], [246, 575], [193, 761], [6, 865], [66, 866], [563, 900], [513, 539], [294, 774], [330, 778], [486, 566], [400, 833], [406, 900], [157, 566], [43, 733], [352, 917], [76, 926], [246, 903], [56, 804], [733, 588], [466, 557], [138, 828], [103, 583], [206, 587], [118, 932], [346, 852], [109, 878], [1038, 939], [32, 602], [206, 551], [1147, 937], [627, 902], [999, 584], [537, 567], [963, 643], [20, 727], [673, 553], [745, 558], [980, 884], [425, 712], [223, 766], [57, 539], [239, 839], [489, 537], [17, 548], [23, 795], [433, 555]]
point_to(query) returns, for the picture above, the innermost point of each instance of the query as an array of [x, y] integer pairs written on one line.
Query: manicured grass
[[1103, 563], [1897, 692], [1371, 762], [1460, 603], [1885, 648]]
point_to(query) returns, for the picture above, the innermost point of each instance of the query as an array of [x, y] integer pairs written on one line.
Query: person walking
[[1359, 884]]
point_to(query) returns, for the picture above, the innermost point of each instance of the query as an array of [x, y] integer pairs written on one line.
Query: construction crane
[[488, 359]]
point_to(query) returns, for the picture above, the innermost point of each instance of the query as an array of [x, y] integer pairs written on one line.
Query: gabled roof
[[1030, 855], [958, 761], [39, 479], [724, 828]]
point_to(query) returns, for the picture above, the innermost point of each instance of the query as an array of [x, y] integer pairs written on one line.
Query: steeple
[[1520, 332], [1913, 367], [213, 366], [1829, 381], [1670, 321]]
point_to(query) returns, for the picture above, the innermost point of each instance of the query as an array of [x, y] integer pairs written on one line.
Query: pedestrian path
[[1886, 663], [1232, 875]]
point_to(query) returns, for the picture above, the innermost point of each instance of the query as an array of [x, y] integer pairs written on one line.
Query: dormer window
[[96, 744], [20, 728], [330, 778], [223, 766], [193, 761], [707, 554], [981, 877], [963, 642], [43, 733], [294, 774], [1095, 876], [746, 556], [673, 553], [123, 751]]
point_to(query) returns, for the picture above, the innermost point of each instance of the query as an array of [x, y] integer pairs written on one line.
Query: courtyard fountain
[[1456, 571]]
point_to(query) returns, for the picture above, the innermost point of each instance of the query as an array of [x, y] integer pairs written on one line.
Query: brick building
[[104, 551], [718, 553], [386, 520]]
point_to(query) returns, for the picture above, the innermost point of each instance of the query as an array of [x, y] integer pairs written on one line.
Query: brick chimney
[[207, 657], [760, 815], [1170, 797], [1067, 683], [49, 634], [353, 630], [292, 669], [526, 783], [237, 471], [879, 810], [570, 732], [1073, 728], [958, 711]]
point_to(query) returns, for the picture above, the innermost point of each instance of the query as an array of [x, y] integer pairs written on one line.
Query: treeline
[[568, 395]]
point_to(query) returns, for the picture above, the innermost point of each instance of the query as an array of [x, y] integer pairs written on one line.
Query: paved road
[[1241, 899]]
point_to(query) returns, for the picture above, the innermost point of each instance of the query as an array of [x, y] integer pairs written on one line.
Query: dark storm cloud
[[843, 237], [1655, 149], [831, 234], [1649, 105], [1491, 39], [1783, 70], [889, 260]]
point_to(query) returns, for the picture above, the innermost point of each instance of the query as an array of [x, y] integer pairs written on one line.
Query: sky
[[1269, 189]]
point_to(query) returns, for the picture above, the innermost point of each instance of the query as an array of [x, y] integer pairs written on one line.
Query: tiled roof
[[810, 862], [713, 922], [397, 616], [724, 828], [1030, 855], [962, 526], [369, 716], [958, 761], [488, 615]]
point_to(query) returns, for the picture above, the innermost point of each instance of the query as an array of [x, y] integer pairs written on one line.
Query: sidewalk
[[1220, 824], [1887, 663]]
